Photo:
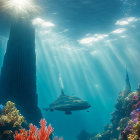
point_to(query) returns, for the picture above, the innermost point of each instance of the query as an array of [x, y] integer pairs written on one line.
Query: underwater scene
[[69, 69]]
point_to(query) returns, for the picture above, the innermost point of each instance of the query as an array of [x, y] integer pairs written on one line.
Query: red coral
[[44, 132], [34, 133]]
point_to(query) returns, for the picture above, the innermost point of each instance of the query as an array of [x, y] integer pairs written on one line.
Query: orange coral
[[34, 133]]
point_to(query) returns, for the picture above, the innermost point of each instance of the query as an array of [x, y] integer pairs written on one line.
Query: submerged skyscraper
[[18, 74]]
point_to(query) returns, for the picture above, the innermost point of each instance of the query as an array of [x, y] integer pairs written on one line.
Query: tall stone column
[[18, 74]]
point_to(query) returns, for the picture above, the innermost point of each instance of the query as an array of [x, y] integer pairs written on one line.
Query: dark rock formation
[[18, 74], [120, 116], [127, 83], [127, 88]]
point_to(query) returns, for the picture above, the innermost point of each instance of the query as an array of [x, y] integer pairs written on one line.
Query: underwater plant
[[132, 131], [136, 131], [10, 120], [34, 133], [11, 115]]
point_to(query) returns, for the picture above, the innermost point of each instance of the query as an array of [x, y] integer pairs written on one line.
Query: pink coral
[[135, 97], [34, 133], [56, 138], [134, 114]]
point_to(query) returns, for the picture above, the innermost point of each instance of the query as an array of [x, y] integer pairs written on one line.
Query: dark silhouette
[[18, 74]]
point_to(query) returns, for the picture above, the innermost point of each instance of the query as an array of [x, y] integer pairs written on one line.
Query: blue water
[[90, 43]]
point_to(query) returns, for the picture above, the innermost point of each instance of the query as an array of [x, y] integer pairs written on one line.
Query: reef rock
[[10, 120], [121, 115]]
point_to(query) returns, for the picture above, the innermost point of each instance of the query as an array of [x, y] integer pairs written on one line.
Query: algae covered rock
[[10, 120], [120, 116], [11, 115]]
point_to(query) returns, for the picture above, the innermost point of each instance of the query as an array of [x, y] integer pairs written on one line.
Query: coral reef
[[34, 133], [132, 131], [10, 120], [119, 121], [125, 123], [6, 135], [11, 115], [125, 119], [135, 132]]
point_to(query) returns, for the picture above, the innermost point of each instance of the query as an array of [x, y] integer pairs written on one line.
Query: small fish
[[88, 111], [138, 109], [1, 108]]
